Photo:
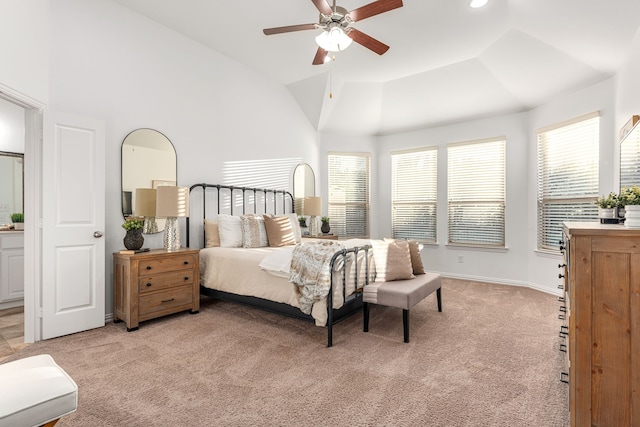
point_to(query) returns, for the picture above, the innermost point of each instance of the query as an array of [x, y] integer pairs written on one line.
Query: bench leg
[[439, 295], [405, 324], [365, 307]]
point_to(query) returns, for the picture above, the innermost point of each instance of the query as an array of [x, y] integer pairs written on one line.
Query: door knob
[[97, 234]]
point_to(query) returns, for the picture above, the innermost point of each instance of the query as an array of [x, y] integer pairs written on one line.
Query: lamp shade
[[313, 206], [145, 202], [172, 202], [333, 40]]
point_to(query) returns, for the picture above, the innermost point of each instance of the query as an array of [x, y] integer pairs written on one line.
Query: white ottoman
[[35, 391]]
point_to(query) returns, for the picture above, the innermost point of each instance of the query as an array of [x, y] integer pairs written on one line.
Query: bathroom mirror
[[11, 185], [148, 161], [304, 185]]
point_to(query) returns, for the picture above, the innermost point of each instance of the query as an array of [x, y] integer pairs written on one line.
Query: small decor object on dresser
[[608, 209], [630, 198], [18, 220], [325, 228], [133, 240]]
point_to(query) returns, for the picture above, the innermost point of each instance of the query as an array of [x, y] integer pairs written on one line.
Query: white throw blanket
[[310, 270]]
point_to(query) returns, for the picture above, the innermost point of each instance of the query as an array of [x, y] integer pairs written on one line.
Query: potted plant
[[607, 206], [630, 198], [133, 240], [18, 220], [303, 221], [325, 228]]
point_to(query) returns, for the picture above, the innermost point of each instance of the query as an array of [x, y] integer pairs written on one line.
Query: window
[[414, 191], [567, 176], [349, 178], [476, 192]]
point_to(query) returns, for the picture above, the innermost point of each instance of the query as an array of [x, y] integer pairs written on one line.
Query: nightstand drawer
[[162, 264], [165, 300], [164, 280]]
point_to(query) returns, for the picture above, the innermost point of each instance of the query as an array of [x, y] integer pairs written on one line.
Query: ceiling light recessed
[[478, 3]]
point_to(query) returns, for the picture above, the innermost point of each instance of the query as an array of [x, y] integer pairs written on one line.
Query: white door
[[73, 222]]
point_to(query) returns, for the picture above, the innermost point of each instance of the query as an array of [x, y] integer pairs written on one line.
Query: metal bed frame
[[352, 303]]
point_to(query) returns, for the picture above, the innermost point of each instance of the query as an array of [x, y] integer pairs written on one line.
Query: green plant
[[324, 219], [132, 223], [303, 221], [611, 201], [629, 196], [17, 217]]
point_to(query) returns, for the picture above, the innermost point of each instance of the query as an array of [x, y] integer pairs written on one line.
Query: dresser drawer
[[163, 264], [168, 301], [161, 281]]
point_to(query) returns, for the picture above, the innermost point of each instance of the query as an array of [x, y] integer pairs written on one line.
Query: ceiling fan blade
[[368, 41], [321, 54], [323, 7], [289, 28], [374, 8]]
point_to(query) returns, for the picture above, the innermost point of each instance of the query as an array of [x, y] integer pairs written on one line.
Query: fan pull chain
[[333, 58]]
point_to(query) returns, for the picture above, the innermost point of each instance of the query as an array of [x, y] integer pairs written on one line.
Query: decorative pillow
[[393, 260], [230, 229], [279, 230], [211, 234], [254, 233], [295, 224], [414, 251]]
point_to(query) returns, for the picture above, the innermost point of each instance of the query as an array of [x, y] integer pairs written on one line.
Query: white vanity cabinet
[[11, 269]]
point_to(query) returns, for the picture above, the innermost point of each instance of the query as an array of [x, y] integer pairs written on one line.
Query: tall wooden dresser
[[602, 304], [155, 283]]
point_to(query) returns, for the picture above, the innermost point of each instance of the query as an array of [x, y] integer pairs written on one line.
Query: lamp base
[[171, 234], [313, 226], [150, 225]]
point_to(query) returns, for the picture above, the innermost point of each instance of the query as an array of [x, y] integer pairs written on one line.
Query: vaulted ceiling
[[447, 62]]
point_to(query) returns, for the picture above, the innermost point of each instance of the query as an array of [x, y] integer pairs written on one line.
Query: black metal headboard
[[229, 198]]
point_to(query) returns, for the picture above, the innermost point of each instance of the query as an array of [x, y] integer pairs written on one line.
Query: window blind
[[567, 186], [476, 192], [630, 159], [414, 193], [348, 204]]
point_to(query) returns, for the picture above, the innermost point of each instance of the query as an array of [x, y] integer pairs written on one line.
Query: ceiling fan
[[336, 22]]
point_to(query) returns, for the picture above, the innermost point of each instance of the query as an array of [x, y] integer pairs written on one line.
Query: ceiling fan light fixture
[[333, 40], [478, 3]]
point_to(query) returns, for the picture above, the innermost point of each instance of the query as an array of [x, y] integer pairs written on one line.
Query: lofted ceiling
[[447, 62]]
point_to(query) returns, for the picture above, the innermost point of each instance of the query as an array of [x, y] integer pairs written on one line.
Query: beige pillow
[[230, 229], [393, 260], [211, 234], [254, 233], [280, 231], [414, 252], [295, 224]]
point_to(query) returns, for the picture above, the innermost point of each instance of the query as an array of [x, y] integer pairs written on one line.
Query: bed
[[258, 275]]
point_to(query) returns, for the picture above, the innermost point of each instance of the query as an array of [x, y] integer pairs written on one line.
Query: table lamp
[[146, 207], [171, 203], [313, 208]]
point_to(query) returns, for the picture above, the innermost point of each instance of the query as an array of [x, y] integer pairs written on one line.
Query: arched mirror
[[630, 154], [148, 161], [304, 184]]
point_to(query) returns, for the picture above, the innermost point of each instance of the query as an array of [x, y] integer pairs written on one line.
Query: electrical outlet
[[460, 259]]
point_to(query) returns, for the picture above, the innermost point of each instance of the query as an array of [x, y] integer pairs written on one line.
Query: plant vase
[[325, 227], [632, 216], [133, 240], [18, 225]]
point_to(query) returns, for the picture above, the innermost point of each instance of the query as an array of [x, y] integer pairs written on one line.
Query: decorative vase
[[632, 216], [133, 240], [607, 212], [18, 225], [325, 228]]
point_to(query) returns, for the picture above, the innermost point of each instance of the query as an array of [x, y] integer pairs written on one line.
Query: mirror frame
[[631, 135], [19, 156], [151, 180]]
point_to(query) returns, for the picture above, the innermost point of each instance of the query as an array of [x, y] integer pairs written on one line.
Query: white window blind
[[414, 192], [348, 205], [567, 176], [476, 192], [630, 159]]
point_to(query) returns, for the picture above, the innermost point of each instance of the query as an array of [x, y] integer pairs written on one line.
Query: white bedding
[[238, 271]]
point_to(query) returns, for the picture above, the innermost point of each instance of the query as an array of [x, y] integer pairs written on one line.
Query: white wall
[[112, 64], [628, 86], [24, 49]]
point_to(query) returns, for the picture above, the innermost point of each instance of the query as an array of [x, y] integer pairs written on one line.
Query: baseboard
[[530, 285]]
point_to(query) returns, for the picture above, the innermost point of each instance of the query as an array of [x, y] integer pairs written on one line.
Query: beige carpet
[[490, 359]]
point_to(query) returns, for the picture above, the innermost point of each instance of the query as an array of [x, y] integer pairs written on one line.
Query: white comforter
[[239, 271]]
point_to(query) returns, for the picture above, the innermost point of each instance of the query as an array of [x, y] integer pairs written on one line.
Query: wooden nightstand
[[322, 236], [155, 283]]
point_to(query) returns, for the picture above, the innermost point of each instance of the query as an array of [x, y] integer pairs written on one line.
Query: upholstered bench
[[403, 294], [35, 391]]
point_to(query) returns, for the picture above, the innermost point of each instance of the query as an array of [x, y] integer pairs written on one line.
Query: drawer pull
[[562, 265], [561, 316], [561, 299], [564, 377], [564, 330], [561, 286], [186, 277], [563, 348], [148, 267], [167, 300], [563, 308], [560, 276], [148, 284], [186, 263]]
